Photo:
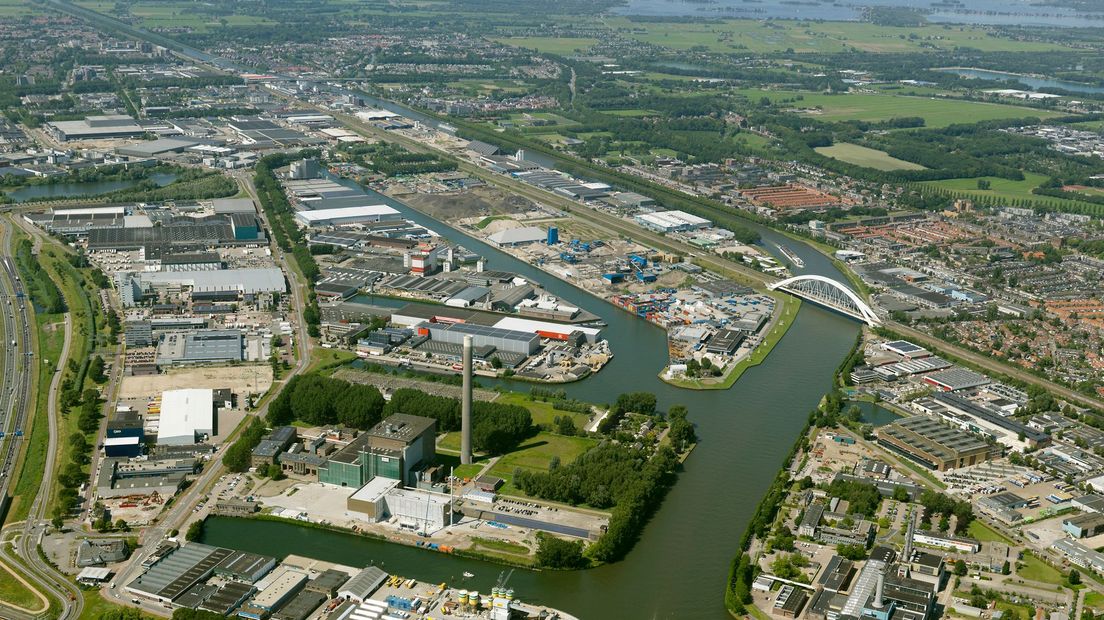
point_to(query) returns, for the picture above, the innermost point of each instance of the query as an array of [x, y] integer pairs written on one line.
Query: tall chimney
[[879, 598], [466, 405]]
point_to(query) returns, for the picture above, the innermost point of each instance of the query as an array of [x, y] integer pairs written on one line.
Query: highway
[[18, 401]]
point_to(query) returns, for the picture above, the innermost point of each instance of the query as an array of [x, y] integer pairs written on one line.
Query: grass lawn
[[549, 45], [452, 461], [1035, 569], [1094, 600], [984, 533], [1011, 190], [11, 591], [96, 607], [327, 358], [869, 158], [542, 412], [936, 112], [536, 453], [501, 545], [15, 8]]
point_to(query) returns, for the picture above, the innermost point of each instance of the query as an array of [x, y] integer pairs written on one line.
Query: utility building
[[395, 448]]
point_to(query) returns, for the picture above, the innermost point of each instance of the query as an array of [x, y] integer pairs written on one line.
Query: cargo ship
[[790, 256]]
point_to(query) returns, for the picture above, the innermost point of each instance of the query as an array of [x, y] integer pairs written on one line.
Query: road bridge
[[830, 294]]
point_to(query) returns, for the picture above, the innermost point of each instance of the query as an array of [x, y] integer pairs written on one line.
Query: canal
[[679, 567]]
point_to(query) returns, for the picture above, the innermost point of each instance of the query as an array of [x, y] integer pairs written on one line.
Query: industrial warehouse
[[256, 587]]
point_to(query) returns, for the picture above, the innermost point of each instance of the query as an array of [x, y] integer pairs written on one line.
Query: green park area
[[867, 157], [534, 454], [537, 454], [1034, 569], [1011, 191], [550, 45], [810, 37], [871, 107]]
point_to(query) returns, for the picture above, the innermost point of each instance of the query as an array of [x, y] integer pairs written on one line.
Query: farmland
[[863, 156], [936, 112], [731, 36], [549, 45]]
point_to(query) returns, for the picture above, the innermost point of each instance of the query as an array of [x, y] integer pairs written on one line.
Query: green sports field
[[869, 158]]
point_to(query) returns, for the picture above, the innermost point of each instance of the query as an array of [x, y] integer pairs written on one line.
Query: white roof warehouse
[[186, 414]]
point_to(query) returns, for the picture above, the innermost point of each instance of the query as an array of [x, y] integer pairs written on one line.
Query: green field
[[936, 112], [869, 158], [15, 8], [11, 591], [1095, 600], [549, 45], [1011, 190], [542, 412], [631, 112], [1035, 569], [984, 533], [174, 14], [757, 36], [536, 453]]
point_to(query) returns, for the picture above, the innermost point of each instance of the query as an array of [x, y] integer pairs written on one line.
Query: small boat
[[468, 575]]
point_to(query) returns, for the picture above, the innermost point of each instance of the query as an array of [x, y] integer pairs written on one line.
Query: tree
[[1006, 568], [555, 552], [194, 531], [1074, 578], [122, 525], [900, 494], [960, 568], [851, 552]]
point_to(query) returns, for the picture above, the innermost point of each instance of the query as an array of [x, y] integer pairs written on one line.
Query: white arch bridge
[[829, 293]]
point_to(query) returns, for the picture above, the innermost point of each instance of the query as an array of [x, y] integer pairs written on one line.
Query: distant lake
[[993, 12], [93, 188], [1034, 82]]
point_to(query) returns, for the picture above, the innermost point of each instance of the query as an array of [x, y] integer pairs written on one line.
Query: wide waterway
[[679, 566]]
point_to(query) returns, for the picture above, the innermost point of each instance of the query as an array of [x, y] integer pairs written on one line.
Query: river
[[1031, 81], [679, 567], [992, 12], [90, 188]]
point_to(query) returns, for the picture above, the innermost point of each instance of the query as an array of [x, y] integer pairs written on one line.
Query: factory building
[[200, 347], [518, 236], [396, 448], [414, 509], [933, 444], [186, 416], [1084, 526], [671, 221], [363, 584], [347, 215], [278, 587], [228, 283], [95, 128], [525, 343]]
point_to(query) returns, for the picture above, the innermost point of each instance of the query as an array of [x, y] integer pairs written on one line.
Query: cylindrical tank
[[473, 598], [509, 595], [486, 602], [463, 594]]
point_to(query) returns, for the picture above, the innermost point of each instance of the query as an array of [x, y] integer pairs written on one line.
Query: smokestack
[[879, 601], [466, 405]]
